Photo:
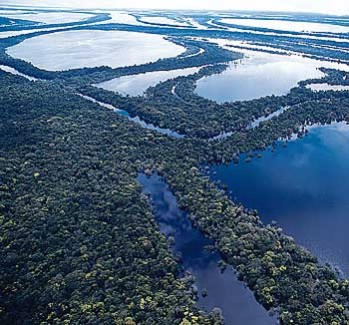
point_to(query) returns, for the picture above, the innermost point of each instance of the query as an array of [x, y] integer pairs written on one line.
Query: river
[[224, 291]]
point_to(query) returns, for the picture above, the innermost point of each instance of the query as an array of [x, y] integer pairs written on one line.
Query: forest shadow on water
[[304, 188], [216, 289]]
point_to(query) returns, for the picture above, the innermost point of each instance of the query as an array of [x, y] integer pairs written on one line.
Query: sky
[[336, 7]]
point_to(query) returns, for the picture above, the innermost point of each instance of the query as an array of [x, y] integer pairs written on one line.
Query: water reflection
[[15, 72], [237, 303], [284, 25], [262, 119], [304, 187], [135, 119], [164, 21], [258, 75], [58, 17], [136, 85], [79, 49]]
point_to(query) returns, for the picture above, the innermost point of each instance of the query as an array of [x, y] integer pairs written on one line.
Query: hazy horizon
[[335, 7]]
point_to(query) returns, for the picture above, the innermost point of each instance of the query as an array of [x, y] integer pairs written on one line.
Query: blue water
[[257, 75], [135, 119], [225, 291], [304, 187]]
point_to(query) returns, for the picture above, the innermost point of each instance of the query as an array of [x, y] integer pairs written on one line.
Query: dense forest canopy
[[79, 242]]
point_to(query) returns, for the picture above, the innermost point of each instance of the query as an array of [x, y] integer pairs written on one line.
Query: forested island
[[80, 244]]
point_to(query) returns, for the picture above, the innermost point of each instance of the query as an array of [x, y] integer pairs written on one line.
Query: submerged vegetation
[[79, 242]]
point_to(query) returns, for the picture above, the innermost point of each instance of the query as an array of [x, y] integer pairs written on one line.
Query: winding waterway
[[304, 187], [135, 119], [224, 291], [16, 72], [136, 85]]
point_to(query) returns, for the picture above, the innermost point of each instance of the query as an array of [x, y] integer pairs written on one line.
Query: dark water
[[305, 188], [237, 303]]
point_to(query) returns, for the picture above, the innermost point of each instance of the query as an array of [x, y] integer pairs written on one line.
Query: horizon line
[[164, 9]]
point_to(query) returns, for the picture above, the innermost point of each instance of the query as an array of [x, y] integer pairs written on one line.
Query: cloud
[[337, 7]]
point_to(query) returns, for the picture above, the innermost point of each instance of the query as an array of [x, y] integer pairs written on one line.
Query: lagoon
[[163, 21], [136, 85], [287, 25], [258, 75], [57, 17], [79, 49], [304, 187]]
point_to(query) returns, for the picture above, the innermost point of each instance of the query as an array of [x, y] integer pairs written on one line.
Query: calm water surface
[[164, 21], [136, 85], [304, 187], [79, 49], [237, 303], [15, 72], [47, 17], [284, 25], [257, 75], [135, 119]]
